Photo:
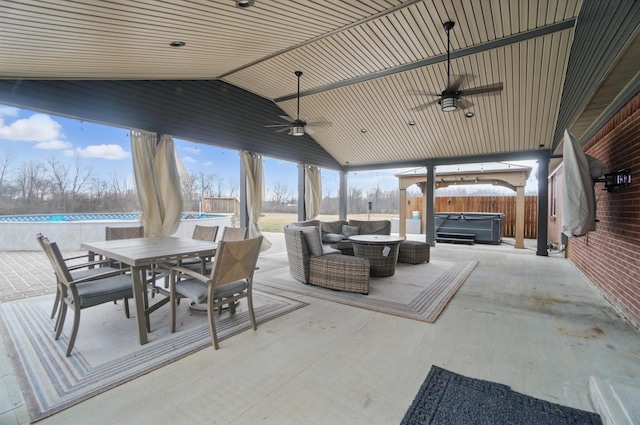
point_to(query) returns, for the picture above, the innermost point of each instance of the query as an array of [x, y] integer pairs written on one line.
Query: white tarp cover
[[578, 196]]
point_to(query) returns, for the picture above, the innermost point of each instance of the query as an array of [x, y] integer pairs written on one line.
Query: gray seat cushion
[[105, 290], [198, 291]]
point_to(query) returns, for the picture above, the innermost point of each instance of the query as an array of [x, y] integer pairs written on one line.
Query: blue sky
[[32, 136]]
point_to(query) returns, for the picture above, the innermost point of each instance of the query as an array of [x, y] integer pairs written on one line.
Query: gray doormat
[[446, 398]]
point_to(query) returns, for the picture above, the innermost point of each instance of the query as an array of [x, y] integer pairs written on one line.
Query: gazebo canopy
[[495, 173]]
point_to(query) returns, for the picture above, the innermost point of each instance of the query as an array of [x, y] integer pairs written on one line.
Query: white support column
[[430, 228], [402, 222], [343, 196]]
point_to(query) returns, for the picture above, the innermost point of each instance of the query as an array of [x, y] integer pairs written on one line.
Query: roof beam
[[494, 44]]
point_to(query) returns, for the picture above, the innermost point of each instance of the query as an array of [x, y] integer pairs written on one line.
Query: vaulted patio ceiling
[[563, 64]]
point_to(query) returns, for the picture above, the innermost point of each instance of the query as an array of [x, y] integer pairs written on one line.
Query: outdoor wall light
[[297, 130]]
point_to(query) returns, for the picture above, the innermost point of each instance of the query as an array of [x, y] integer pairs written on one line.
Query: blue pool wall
[[69, 233]]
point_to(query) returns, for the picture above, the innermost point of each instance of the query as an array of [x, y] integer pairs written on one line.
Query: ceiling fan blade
[[465, 104], [276, 125], [414, 92], [425, 105], [320, 123], [286, 118], [282, 130], [482, 90], [308, 130], [459, 80]]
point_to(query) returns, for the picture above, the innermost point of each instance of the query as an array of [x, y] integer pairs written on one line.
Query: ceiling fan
[[452, 97], [298, 126]]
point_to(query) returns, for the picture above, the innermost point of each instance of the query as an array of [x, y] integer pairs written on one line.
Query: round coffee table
[[381, 250]]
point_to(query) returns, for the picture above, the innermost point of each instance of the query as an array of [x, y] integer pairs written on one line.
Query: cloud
[[112, 152], [189, 160], [53, 145], [9, 111], [36, 128], [192, 150], [208, 163]]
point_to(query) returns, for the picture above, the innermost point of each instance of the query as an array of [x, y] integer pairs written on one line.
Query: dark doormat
[[446, 398]]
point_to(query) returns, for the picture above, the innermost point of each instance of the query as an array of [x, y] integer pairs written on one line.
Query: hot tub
[[469, 227]]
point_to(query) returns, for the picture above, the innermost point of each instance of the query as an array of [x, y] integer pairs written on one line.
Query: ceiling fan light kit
[[297, 127], [453, 97], [297, 130], [449, 103]]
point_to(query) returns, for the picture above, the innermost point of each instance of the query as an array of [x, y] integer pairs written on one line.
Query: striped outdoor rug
[[417, 292], [107, 352]]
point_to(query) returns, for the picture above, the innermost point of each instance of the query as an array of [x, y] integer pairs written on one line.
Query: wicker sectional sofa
[[335, 233], [311, 263]]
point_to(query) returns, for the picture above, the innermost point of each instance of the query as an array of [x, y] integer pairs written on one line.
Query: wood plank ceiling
[[359, 59]]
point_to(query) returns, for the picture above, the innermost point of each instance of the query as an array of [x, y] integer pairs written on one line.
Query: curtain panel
[[157, 182], [255, 193], [312, 191]]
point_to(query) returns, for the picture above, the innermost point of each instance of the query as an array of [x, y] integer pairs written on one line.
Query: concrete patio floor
[[533, 323]]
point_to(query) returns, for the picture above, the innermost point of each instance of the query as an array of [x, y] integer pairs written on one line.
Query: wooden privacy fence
[[221, 205], [486, 204]]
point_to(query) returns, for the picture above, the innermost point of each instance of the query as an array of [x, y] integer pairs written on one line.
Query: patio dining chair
[[81, 293], [80, 266], [228, 234], [234, 233], [230, 280]]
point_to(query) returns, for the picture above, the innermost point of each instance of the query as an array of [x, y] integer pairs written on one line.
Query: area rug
[[446, 398], [415, 291], [107, 352]]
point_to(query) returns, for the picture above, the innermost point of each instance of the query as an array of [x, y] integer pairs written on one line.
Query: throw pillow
[[312, 238], [332, 238], [350, 230]]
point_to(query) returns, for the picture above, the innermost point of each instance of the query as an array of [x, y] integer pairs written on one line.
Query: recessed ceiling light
[[177, 43], [469, 114], [244, 4], [363, 130], [412, 122]]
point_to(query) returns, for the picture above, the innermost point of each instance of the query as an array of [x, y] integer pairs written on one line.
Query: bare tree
[[233, 188], [280, 193], [189, 188], [32, 183], [5, 167]]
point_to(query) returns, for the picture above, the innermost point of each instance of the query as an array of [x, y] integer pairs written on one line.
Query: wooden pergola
[[508, 175]]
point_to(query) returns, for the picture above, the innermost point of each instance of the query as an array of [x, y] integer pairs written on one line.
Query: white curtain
[[312, 191], [255, 193], [157, 181]]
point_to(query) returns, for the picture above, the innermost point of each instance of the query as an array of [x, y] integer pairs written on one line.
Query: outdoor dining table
[[142, 253]]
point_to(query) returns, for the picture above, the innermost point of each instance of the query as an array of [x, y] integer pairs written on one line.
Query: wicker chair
[[331, 270]]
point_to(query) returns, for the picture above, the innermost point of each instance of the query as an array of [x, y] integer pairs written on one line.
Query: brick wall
[[610, 256]]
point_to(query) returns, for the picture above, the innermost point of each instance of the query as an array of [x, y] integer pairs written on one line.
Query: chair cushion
[[350, 230], [198, 291], [332, 238], [312, 238], [104, 290], [331, 226]]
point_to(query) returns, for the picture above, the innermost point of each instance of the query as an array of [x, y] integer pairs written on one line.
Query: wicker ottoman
[[340, 272], [413, 252]]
